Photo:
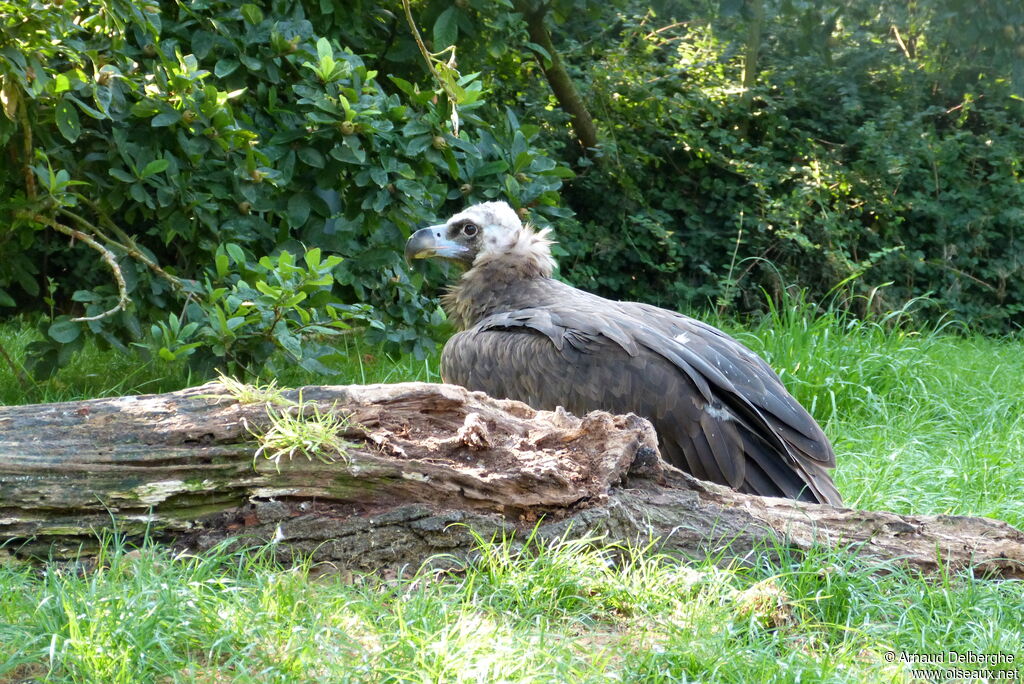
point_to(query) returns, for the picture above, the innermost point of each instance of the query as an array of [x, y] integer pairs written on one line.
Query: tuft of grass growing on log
[[254, 393], [304, 429]]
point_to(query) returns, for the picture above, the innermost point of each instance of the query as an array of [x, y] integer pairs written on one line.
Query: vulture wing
[[720, 411]]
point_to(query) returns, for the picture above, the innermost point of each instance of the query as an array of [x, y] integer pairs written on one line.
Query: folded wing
[[720, 411]]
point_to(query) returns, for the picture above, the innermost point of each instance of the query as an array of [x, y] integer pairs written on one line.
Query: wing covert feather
[[720, 411]]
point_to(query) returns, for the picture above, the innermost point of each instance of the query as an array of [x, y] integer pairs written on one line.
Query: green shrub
[[852, 161], [167, 132]]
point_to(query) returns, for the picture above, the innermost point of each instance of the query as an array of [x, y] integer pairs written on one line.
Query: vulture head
[[482, 234]]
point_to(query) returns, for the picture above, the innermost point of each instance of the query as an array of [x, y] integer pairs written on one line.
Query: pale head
[[481, 234]]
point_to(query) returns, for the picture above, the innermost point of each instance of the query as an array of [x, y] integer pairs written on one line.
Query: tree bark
[[558, 78], [426, 468], [751, 51]]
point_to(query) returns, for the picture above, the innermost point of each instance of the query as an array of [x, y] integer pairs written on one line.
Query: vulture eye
[[469, 229]]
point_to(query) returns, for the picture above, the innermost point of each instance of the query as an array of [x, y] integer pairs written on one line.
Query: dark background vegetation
[[254, 169]]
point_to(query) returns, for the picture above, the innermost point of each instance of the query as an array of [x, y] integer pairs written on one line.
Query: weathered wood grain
[[428, 466]]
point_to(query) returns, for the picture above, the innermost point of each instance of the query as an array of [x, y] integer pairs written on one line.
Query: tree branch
[[430, 59], [26, 127], [558, 78], [127, 243], [750, 59], [122, 300]]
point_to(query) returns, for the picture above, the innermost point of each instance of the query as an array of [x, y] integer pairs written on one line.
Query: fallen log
[[414, 470]]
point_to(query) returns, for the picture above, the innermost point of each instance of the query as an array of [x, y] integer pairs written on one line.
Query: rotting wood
[[429, 466]]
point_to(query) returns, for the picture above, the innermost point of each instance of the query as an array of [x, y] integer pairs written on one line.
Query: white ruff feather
[[522, 246]]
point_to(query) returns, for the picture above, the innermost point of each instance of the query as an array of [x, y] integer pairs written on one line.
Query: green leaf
[[294, 300], [144, 109], [235, 322], [324, 51], [225, 67], [64, 330], [522, 161], [415, 127], [137, 193], [417, 145], [379, 176], [86, 296], [512, 187], [121, 175], [266, 289], [540, 50], [287, 136], [446, 28], [403, 85], [103, 96], [87, 109], [153, 167], [311, 157], [491, 168], [221, 263], [289, 342], [67, 121], [202, 43], [166, 118], [298, 210], [252, 13], [563, 172], [6, 299], [235, 252], [251, 63]]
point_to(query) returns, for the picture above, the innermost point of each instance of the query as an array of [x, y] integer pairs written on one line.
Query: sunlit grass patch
[[922, 421], [565, 609], [97, 372], [93, 372]]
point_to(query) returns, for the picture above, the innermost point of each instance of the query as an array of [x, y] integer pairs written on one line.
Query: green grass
[[923, 422], [99, 372], [91, 373], [566, 612]]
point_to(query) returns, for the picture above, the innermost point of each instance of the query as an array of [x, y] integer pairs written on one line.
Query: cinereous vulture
[[720, 411]]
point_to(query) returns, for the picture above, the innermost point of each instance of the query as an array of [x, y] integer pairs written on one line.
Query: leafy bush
[[168, 132], [854, 161]]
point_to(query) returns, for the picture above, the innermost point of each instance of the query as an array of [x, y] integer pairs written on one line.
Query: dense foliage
[[254, 169], [215, 143], [881, 145]]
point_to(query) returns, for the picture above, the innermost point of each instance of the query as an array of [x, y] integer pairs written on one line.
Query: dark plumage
[[721, 413]]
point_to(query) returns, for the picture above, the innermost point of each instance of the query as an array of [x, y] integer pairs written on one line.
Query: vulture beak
[[430, 242]]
